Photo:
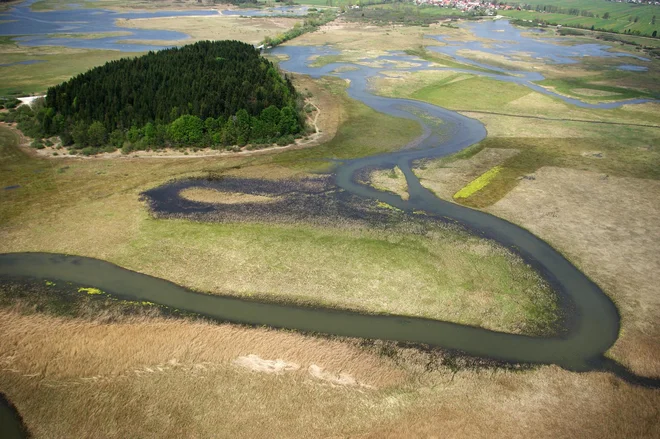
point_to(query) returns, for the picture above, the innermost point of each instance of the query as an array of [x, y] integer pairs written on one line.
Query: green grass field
[[60, 64], [622, 16], [617, 150]]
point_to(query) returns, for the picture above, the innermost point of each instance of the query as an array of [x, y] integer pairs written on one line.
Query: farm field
[[621, 18]]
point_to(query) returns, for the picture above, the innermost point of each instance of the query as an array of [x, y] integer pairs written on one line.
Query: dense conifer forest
[[219, 94]]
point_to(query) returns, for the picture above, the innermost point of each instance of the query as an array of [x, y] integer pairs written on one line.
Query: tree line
[[218, 93]]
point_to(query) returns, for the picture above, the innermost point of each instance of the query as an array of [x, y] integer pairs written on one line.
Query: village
[[466, 5]]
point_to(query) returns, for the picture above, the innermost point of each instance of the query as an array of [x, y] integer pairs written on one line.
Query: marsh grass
[[250, 30], [151, 377], [90, 207], [580, 87], [391, 180], [60, 64], [477, 184], [621, 151]]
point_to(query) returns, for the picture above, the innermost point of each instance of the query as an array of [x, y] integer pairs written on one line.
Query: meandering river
[[593, 323], [592, 326]]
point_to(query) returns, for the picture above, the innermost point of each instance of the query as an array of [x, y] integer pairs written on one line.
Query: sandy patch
[[609, 227], [593, 154], [340, 379], [258, 364], [28, 100], [206, 195], [391, 180]]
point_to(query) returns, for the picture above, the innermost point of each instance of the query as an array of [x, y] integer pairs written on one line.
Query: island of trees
[[217, 94]]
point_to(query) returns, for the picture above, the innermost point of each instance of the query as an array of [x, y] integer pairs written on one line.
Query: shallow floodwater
[[510, 41], [26, 62], [632, 68], [35, 26]]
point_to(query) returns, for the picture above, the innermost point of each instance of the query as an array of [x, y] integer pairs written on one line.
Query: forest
[[220, 93]]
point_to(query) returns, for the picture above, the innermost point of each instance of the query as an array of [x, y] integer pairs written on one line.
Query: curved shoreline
[[11, 422], [592, 328]]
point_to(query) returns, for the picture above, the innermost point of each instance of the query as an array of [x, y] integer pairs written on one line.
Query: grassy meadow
[[589, 188], [622, 16], [570, 175], [230, 258], [59, 64]]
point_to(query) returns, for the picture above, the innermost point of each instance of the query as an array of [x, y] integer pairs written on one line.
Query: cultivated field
[[622, 17]]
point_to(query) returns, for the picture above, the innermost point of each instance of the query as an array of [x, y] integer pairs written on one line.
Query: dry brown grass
[[370, 40], [206, 195], [216, 27], [503, 126], [609, 227], [176, 379], [391, 180], [549, 403]]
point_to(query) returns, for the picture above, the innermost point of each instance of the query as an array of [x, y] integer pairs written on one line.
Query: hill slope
[[220, 92]]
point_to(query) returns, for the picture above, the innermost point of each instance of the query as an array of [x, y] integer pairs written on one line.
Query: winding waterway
[[592, 325], [592, 328]]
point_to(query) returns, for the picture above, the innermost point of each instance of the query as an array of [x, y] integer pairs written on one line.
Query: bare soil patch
[[206, 195], [257, 364]]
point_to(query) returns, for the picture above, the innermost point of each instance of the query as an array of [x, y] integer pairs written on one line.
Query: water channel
[[593, 324]]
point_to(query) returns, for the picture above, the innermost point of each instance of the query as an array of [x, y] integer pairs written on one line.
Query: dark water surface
[[26, 62], [11, 424]]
